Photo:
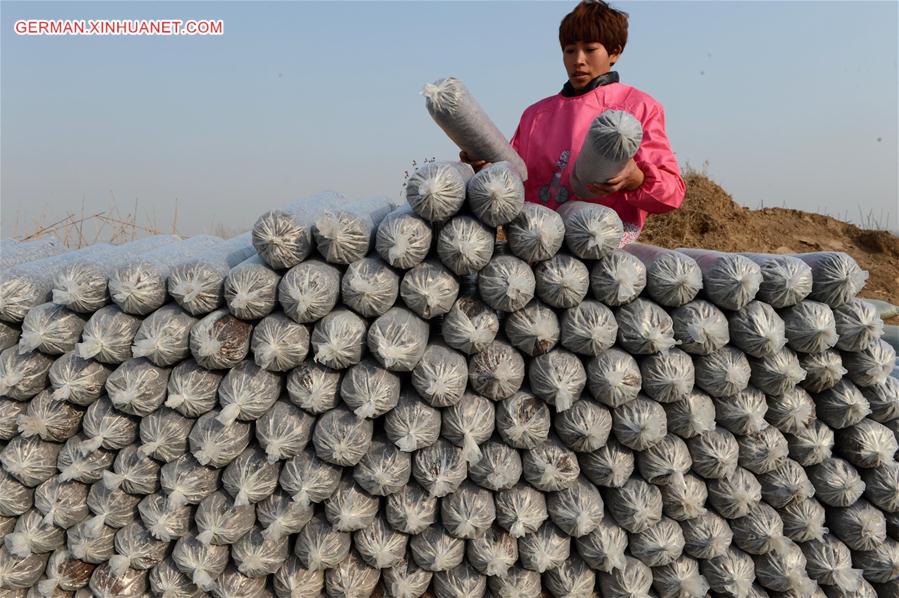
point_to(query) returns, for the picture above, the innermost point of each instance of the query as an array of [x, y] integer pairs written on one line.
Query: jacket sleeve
[[663, 188]]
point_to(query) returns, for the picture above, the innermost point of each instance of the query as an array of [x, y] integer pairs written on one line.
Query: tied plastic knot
[[204, 455], [471, 452], [147, 449], [62, 393], [550, 473], [159, 529], [112, 481], [564, 399], [208, 346], [517, 287], [439, 387], [229, 414], [273, 452], [122, 290], [203, 580], [407, 443], [517, 529], [302, 498], [73, 471], [779, 545], [145, 346], [401, 243], [18, 544], [176, 499], [241, 500], [47, 587], [175, 400], [497, 567], [241, 299], [29, 341], [275, 531], [31, 425], [366, 410], [89, 347], [189, 290], [49, 517], [91, 444], [205, 537], [124, 397], [583, 524], [94, 526], [118, 565]]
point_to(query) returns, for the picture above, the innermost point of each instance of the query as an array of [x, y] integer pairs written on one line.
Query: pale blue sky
[[788, 103]]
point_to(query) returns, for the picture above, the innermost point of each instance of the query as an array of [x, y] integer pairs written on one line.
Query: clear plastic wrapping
[[64, 573], [470, 326], [811, 445], [803, 520], [872, 365], [309, 291], [757, 330], [283, 431], [550, 466], [185, 481], [15, 497], [89, 544], [592, 231], [468, 424], [883, 400], [867, 444], [440, 468], [763, 451], [882, 486], [609, 466], [498, 469], [137, 387], [861, 526], [343, 234], [279, 515], [729, 280], [279, 344], [734, 496], [50, 329], [880, 564], [30, 460], [165, 523], [412, 424], [379, 545], [742, 413], [435, 550], [48, 419], [63, 503], [403, 239], [571, 578], [496, 193], [33, 535], [313, 387], [202, 563], [517, 582], [636, 505], [293, 580], [496, 372], [632, 580], [410, 510], [23, 375], [136, 548], [369, 389], [691, 416], [585, 427], [557, 377], [251, 289], [700, 327], [784, 570], [468, 512], [132, 583], [216, 444], [659, 544], [220, 341], [369, 287], [639, 424], [715, 453], [429, 289], [507, 283], [341, 438], [618, 278], [589, 328], [809, 327], [247, 392], [9, 335], [857, 324], [667, 377], [706, 536], [441, 376], [723, 373], [562, 281], [785, 483], [760, 531], [164, 336], [523, 420], [603, 549], [665, 462], [544, 549], [837, 277], [132, 472], [577, 510], [107, 336], [10, 410], [21, 252], [644, 328], [786, 279], [111, 508], [731, 573], [823, 370], [680, 579], [612, 139], [536, 234], [672, 278], [494, 553], [776, 373], [841, 406], [234, 583], [319, 546], [76, 380], [464, 245], [384, 469], [436, 190], [283, 237], [308, 479], [257, 555], [684, 500], [338, 340], [164, 434], [829, 562]]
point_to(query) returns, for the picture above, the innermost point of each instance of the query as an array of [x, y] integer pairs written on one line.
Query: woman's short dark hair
[[595, 21]]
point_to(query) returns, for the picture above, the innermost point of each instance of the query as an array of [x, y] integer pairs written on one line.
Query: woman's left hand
[[628, 179]]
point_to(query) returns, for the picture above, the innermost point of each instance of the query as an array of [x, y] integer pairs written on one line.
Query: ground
[[710, 218]]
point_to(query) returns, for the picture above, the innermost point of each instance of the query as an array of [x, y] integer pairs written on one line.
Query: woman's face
[[584, 61]]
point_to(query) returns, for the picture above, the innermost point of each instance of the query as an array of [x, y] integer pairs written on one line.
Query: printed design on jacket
[[554, 191]]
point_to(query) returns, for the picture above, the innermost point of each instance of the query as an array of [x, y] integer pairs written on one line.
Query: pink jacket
[[552, 131]]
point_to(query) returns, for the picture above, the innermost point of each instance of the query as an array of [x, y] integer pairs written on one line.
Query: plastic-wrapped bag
[[691, 416], [30, 460], [841, 406], [436, 190], [639, 424], [107, 336], [379, 545], [440, 377], [33, 535], [403, 238], [251, 289], [812, 445], [185, 481], [9, 335], [522, 420], [220, 341], [412, 425], [435, 550], [550, 466], [636, 505], [250, 478], [743, 413], [857, 324], [350, 508], [341, 438], [440, 468], [494, 554], [470, 326], [234, 583], [867, 444], [784, 570], [572, 578], [136, 549], [589, 328], [665, 462], [715, 453], [882, 486], [50, 329], [679, 579], [468, 424], [880, 564], [468, 512], [21, 252], [585, 427], [506, 283], [729, 280], [279, 344], [731, 573], [201, 562], [384, 469], [760, 531], [256, 555], [215, 444], [164, 434], [609, 466], [351, 577], [706, 536], [659, 544], [861, 526], [803, 520], [10, 410], [536, 234], [786, 280], [64, 573], [63, 503], [464, 245], [534, 329], [496, 193], [497, 371], [809, 327], [247, 392], [576, 510], [685, 500], [667, 377], [632, 580], [314, 387], [319, 546], [883, 400], [162, 522], [283, 431], [407, 580], [672, 278], [344, 234], [544, 549], [829, 562], [592, 231], [292, 580], [130, 584], [164, 336], [192, 390], [197, 285], [776, 373], [338, 339], [280, 516], [23, 375], [795, 410], [520, 510], [557, 377], [48, 419], [76, 380], [429, 289], [132, 472], [723, 373], [309, 479], [369, 389], [369, 287], [734, 496], [137, 387], [603, 548], [410, 510], [644, 328], [283, 237], [763, 451], [757, 330], [618, 278], [561, 281], [611, 141], [872, 365], [15, 497], [785, 483], [613, 377], [837, 277], [700, 327], [111, 508]]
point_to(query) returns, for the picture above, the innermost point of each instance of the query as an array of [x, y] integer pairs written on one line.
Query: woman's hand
[[477, 165], [630, 178]]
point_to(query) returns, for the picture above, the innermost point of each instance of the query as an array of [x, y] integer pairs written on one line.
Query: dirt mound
[[710, 218]]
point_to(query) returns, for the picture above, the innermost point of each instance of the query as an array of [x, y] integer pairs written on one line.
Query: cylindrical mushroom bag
[[776, 373], [459, 582], [496, 193], [220, 341], [350, 508], [632, 579], [308, 479], [279, 515], [369, 389], [706, 536], [435, 550], [468, 512], [867, 444], [494, 554], [76, 380], [165, 577], [550, 466], [672, 278], [412, 424], [879, 565], [785, 484], [10, 410], [136, 549], [201, 562], [164, 434], [792, 412], [841, 406], [134, 473], [786, 279], [658, 545], [292, 579], [164, 336], [429, 289], [258, 556], [609, 466], [810, 327], [757, 330], [803, 520], [734, 496], [468, 424], [351, 575], [562, 281], [64, 573], [50, 329], [33, 536], [23, 375], [861, 526], [729, 280], [185, 481], [192, 390], [585, 427], [544, 549], [137, 387], [636, 505], [680, 578], [279, 344], [398, 339], [247, 392], [232, 582], [857, 324], [379, 545], [470, 326], [216, 444], [411, 510], [731, 573], [811, 446], [872, 365], [577, 510], [309, 291], [403, 239], [714, 453], [496, 372], [283, 237], [436, 190], [611, 141], [665, 462], [557, 377], [131, 584], [112, 508], [592, 231], [589, 328], [883, 399], [15, 497], [464, 245], [498, 469], [507, 283], [882, 486], [384, 470], [700, 327], [523, 421], [784, 570], [536, 234], [603, 549], [685, 500], [837, 277], [639, 424], [742, 413], [251, 289], [341, 438], [667, 377], [313, 387], [829, 562], [369, 287], [440, 377], [440, 468], [284, 431], [723, 373], [691, 416], [50, 420], [162, 522], [613, 377], [644, 328], [760, 531], [573, 577], [763, 451], [344, 233], [338, 339], [107, 336], [30, 460], [618, 278]]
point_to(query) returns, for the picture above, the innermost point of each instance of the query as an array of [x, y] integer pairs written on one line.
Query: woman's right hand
[[476, 165]]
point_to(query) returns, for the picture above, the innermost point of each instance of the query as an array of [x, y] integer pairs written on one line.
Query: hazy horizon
[[789, 104]]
